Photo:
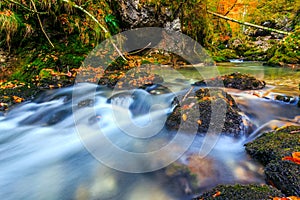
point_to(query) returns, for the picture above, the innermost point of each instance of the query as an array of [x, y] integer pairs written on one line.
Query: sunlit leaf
[[184, 117]]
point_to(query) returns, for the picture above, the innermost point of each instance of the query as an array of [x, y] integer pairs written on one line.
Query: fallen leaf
[[184, 117], [206, 98], [286, 198], [218, 193], [294, 158], [17, 99]]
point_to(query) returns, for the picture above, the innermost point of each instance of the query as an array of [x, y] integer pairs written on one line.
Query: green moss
[[224, 55], [275, 145], [66, 55], [288, 51], [239, 192]]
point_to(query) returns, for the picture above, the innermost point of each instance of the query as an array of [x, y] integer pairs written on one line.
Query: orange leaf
[[286, 198], [17, 99], [296, 155], [206, 98], [184, 107], [294, 158], [218, 193]]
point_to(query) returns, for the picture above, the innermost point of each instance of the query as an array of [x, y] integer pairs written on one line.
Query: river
[[47, 145]]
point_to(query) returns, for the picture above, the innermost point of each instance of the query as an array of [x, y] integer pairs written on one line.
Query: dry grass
[[10, 24]]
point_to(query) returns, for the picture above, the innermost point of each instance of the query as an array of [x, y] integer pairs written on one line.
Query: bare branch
[[249, 24], [40, 22], [231, 7], [187, 94]]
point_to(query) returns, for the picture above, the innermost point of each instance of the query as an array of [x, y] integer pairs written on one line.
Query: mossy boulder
[[255, 54], [224, 55], [274, 145], [287, 51], [285, 175], [235, 80], [276, 150], [241, 192], [193, 113]]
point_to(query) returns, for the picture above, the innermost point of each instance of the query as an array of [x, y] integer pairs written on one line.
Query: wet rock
[[284, 175], [286, 99], [130, 80], [274, 149], [194, 113], [17, 94], [55, 83], [239, 192], [156, 89], [235, 80], [274, 145]]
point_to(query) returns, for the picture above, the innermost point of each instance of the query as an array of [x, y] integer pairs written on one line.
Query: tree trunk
[[249, 24]]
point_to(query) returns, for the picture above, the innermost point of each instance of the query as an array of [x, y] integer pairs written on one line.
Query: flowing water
[[43, 153]]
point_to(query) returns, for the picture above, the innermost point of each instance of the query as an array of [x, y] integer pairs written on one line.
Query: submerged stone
[[197, 173]]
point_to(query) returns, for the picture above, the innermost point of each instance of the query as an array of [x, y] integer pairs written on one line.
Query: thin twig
[[40, 22], [107, 33], [231, 8], [25, 7], [135, 52], [297, 131], [187, 94]]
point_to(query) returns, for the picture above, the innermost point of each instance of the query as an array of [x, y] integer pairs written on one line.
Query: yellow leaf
[[17, 99], [199, 121], [184, 117]]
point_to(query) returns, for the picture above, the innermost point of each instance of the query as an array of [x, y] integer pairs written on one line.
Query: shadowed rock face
[[135, 14], [195, 111]]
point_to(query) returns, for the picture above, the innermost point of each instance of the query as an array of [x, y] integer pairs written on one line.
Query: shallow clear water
[[49, 147]]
